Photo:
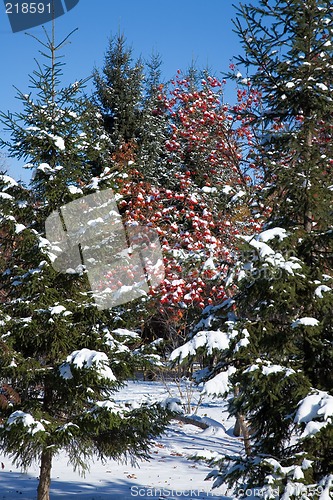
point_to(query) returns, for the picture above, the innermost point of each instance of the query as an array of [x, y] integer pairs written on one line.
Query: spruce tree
[[275, 333], [119, 93], [60, 360]]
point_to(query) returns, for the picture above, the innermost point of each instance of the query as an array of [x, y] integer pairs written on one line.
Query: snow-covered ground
[[168, 474]]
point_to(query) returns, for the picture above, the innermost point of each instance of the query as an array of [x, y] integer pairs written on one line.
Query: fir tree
[[60, 360], [134, 117], [15, 210]]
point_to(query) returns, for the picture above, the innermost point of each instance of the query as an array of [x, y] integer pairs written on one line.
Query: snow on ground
[[169, 473]]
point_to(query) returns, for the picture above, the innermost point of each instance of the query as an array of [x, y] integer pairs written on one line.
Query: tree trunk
[[241, 428], [43, 490]]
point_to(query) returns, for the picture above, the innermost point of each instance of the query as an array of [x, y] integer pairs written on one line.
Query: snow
[[321, 86], [326, 409], [57, 310], [87, 358], [8, 180], [294, 474], [267, 370], [208, 455], [267, 255], [226, 189], [58, 142], [94, 184], [209, 264], [312, 428], [74, 190], [67, 426], [111, 406], [307, 464], [208, 189], [173, 404], [306, 321], [320, 289], [126, 333], [46, 247], [47, 169], [327, 486], [19, 228], [262, 248], [6, 196], [298, 473], [27, 420], [244, 341], [44, 167], [238, 195], [109, 298], [168, 474]]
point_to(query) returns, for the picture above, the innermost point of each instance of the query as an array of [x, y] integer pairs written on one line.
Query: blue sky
[[181, 31]]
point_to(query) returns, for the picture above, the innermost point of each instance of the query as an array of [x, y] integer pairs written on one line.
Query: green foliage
[[119, 92]]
